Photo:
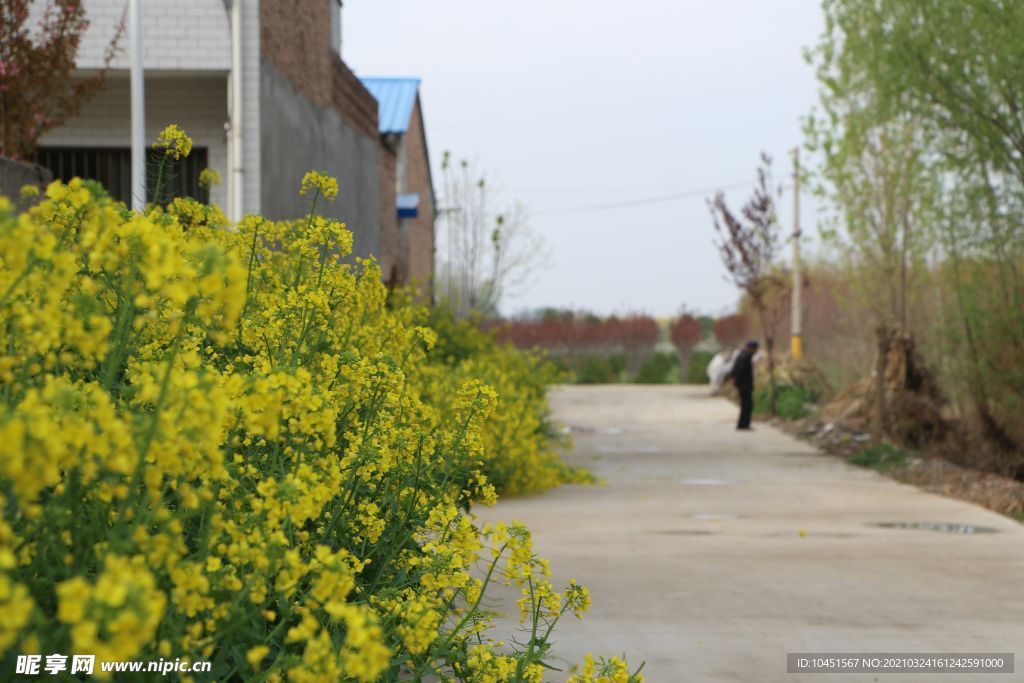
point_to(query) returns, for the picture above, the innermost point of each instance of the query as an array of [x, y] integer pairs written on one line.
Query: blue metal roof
[[395, 99]]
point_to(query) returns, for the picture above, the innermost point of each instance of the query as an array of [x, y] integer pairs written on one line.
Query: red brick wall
[[351, 98], [296, 39], [298, 42], [418, 233]]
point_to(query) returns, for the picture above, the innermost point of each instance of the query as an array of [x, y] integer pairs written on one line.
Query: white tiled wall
[[176, 34], [197, 103]]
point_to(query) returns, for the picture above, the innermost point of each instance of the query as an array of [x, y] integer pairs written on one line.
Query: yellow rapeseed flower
[[321, 182], [255, 656], [174, 142], [208, 178], [223, 428]]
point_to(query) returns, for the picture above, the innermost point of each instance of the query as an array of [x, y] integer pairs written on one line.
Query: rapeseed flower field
[[231, 443]]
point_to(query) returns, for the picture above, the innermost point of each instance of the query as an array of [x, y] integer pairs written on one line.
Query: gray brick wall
[[16, 174]]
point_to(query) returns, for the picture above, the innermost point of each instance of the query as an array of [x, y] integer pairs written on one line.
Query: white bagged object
[[719, 367]]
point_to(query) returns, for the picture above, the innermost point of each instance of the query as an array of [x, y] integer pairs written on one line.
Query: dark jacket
[[743, 370]]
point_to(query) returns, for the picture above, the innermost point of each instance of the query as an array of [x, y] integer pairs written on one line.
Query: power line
[[645, 200]]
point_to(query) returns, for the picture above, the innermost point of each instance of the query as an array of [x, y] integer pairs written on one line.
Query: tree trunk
[[882, 336], [684, 363]]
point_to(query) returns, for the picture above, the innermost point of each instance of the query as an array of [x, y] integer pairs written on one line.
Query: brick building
[[407, 169], [261, 88]]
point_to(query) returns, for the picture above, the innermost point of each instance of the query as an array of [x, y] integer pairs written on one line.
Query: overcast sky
[[569, 104]]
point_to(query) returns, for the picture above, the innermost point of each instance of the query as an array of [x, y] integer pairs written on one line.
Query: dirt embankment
[[913, 406]]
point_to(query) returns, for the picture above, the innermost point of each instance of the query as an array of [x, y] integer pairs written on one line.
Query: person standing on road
[[742, 375]]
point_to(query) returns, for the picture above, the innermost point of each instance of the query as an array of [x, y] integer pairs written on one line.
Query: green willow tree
[[875, 174], [929, 95]]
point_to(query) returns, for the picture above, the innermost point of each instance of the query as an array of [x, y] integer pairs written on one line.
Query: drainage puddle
[[943, 527], [706, 482]]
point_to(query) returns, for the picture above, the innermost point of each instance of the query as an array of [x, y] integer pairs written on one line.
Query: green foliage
[[212, 448], [958, 65], [697, 372], [791, 401], [457, 340], [617, 365], [657, 369], [882, 457], [593, 370], [521, 445], [598, 369], [921, 132]]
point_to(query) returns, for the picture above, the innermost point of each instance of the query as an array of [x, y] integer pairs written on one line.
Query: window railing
[[111, 167]]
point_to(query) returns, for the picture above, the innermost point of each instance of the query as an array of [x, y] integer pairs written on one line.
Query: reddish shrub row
[[685, 331], [732, 330], [628, 333]]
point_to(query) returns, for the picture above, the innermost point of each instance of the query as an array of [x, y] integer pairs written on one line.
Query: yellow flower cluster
[[514, 465], [124, 604], [174, 142], [315, 181], [209, 178], [614, 670], [230, 445]]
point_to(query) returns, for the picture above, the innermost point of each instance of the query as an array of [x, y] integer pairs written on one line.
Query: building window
[[112, 167]]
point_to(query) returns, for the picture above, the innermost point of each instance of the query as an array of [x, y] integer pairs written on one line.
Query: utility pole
[[138, 109], [796, 325]]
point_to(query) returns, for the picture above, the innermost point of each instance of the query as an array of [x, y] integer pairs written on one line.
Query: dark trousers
[[746, 406]]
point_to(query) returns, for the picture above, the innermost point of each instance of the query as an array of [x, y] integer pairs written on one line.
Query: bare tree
[[486, 254], [748, 244]]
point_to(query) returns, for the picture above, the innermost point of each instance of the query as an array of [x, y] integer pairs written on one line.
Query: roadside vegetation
[[919, 142], [882, 457], [913, 309], [615, 349], [229, 443]]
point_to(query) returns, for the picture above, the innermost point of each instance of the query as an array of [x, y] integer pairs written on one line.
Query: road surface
[[711, 553]]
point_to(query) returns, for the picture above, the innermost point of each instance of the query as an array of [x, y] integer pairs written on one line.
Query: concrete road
[[712, 553]]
